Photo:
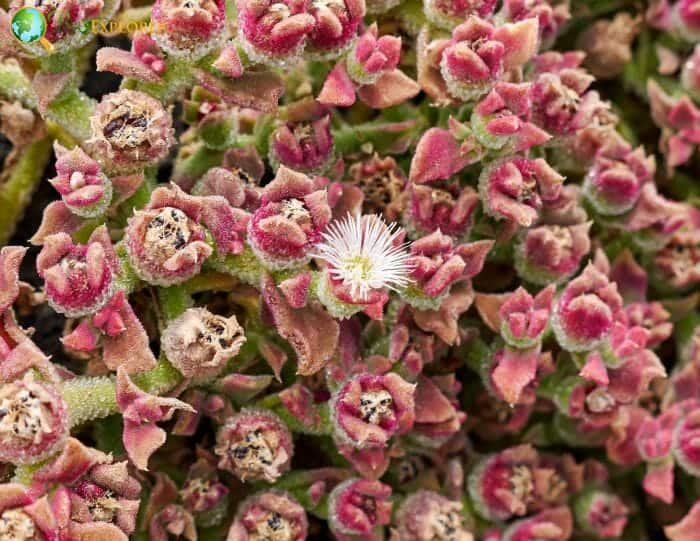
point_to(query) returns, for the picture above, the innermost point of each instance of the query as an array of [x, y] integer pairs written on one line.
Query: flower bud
[[370, 409], [33, 420], [336, 25], [499, 121], [586, 311], [516, 188], [130, 130], [199, 343], [448, 208], [274, 32], [479, 53], [303, 143], [601, 514], [524, 319], [426, 516], [614, 182], [189, 29], [290, 220], [79, 278], [165, 241], [436, 263], [254, 445], [358, 508], [449, 13], [269, 515], [561, 105], [85, 190], [372, 55]]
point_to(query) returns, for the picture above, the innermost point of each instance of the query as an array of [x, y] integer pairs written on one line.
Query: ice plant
[[428, 515], [349, 269], [79, 279], [586, 311], [254, 445], [85, 190], [271, 515], [290, 220], [478, 54], [516, 188], [33, 420], [364, 257], [358, 509], [130, 130], [199, 343], [368, 410]]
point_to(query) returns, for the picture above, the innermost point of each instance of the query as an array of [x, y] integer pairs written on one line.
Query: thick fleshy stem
[[16, 192]]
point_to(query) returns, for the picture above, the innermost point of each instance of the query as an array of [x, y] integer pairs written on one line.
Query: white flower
[[362, 252]]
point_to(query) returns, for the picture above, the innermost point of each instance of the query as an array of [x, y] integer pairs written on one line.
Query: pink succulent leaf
[[514, 370], [392, 88], [125, 343], [141, 411], [437, 417], [594, 370], [437, 156], [57, 218], [229, 62], [338, 89], [687, 527], [658, 481], [298, 327], [126, 64]]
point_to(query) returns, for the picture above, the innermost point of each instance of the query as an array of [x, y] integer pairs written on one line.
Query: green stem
[[91, 398], [72, 110], [16, 193]]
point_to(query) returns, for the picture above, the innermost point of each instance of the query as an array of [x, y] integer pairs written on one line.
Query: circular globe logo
[[28, 25]]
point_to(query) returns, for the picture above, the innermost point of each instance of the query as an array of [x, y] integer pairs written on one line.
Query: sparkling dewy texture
[[364, 253], [356, 270]]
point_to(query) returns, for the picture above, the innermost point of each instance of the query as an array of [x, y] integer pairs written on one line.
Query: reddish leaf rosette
[[85, 190], [586, 311], [291, 217], [189, 30], [78, 278], [358, 508], [370, 409], [479, 53], [515, 189], [166, 241]]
